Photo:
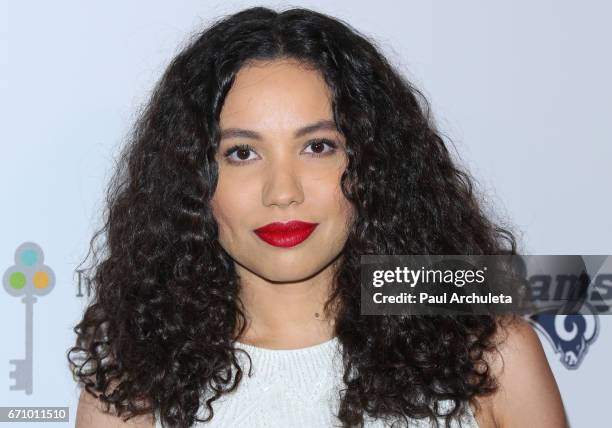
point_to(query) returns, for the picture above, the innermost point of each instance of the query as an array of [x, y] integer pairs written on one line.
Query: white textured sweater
[[292, 388]]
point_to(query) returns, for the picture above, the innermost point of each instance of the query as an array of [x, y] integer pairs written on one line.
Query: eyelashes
[[247, 149]]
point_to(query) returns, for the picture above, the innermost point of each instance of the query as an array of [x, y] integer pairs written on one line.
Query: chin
[[281, 272], [287, 276]]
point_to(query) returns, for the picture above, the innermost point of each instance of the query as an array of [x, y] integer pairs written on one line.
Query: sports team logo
[[569, 335], [559, 281]]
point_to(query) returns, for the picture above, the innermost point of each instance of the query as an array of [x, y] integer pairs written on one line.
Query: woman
[[275, 151]]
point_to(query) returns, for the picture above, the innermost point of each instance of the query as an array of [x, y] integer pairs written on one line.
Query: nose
[[282, 186]]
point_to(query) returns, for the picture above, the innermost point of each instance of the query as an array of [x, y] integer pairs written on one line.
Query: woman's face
[[287, 170]]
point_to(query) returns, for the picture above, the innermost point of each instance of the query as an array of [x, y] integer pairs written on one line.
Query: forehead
[[276, 94]]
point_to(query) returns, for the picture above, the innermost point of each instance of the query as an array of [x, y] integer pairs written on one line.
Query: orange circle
[[41, 279]]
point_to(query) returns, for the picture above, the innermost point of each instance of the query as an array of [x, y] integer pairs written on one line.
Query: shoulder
[[91, 413], [528, 394]]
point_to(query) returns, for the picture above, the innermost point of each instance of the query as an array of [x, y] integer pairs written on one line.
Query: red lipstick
[[285, 234]]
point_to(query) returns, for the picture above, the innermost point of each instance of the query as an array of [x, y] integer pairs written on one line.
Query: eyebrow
[[321, 125]]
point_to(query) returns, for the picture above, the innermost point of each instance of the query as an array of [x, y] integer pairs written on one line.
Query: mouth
[[285, 235]]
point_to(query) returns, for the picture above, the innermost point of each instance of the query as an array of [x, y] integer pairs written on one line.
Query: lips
[[285, 234]]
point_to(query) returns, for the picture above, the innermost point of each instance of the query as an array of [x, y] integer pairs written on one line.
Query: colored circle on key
[[29, 257], [17, 280], [29, 275], [41, 279]]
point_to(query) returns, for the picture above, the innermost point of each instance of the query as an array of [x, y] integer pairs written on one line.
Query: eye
[[318, 146], [241, 151]]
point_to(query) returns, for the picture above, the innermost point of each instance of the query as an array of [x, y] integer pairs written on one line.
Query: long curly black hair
[[160, 329]]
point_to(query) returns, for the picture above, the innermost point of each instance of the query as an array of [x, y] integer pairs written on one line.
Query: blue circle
[[29, 257]]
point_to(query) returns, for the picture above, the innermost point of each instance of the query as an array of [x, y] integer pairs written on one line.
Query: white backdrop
[[522, 89]]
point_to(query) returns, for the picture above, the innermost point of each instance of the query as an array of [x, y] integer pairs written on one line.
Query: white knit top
[[292, 388]]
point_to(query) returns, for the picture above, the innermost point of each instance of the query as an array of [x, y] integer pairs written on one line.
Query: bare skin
[[528, 394], [280, 178]]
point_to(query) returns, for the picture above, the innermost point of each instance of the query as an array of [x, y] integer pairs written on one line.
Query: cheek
[[226, 218], [337, 204], [347, 212], [222, 206], [231, 205]]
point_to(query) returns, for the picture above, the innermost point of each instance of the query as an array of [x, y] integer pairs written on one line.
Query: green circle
[[17, 280]]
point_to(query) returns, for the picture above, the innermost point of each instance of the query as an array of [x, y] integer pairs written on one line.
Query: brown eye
[[318, 147], [243, 154], [238, 154]]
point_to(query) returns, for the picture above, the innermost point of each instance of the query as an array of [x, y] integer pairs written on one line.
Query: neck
[[286, 315]]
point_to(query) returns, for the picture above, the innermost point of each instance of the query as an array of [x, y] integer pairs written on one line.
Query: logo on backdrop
[[573, 334], [28, 278], [569, 335]]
